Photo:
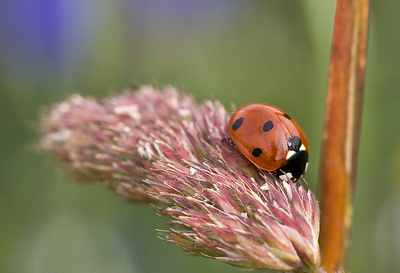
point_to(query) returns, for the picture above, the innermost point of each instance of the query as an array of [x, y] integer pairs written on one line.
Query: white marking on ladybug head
[[286, 176], [302, 147], [283, 177], [290, 154]]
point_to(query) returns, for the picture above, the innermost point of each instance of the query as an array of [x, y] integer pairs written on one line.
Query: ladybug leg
[[284, 176], [230, 140]]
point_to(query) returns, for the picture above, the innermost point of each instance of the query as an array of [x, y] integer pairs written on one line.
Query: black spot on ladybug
[[237, 124], [294, 143], [256, 152], [268, 126], [286, 115]]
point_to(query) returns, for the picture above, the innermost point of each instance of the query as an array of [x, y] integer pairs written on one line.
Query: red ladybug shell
[[270, 139]]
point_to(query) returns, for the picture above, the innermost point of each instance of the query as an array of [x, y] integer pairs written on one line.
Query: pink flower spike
[[164, 148]]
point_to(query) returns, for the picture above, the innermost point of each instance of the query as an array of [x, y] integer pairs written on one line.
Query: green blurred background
[[235, 51]]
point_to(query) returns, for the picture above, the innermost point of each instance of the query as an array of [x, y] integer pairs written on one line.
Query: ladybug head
[[294, 167]]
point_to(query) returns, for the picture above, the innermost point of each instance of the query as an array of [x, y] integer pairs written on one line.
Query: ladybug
[[271, 140]]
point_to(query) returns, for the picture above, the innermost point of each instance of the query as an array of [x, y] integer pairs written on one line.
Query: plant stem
[[342, 131]]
